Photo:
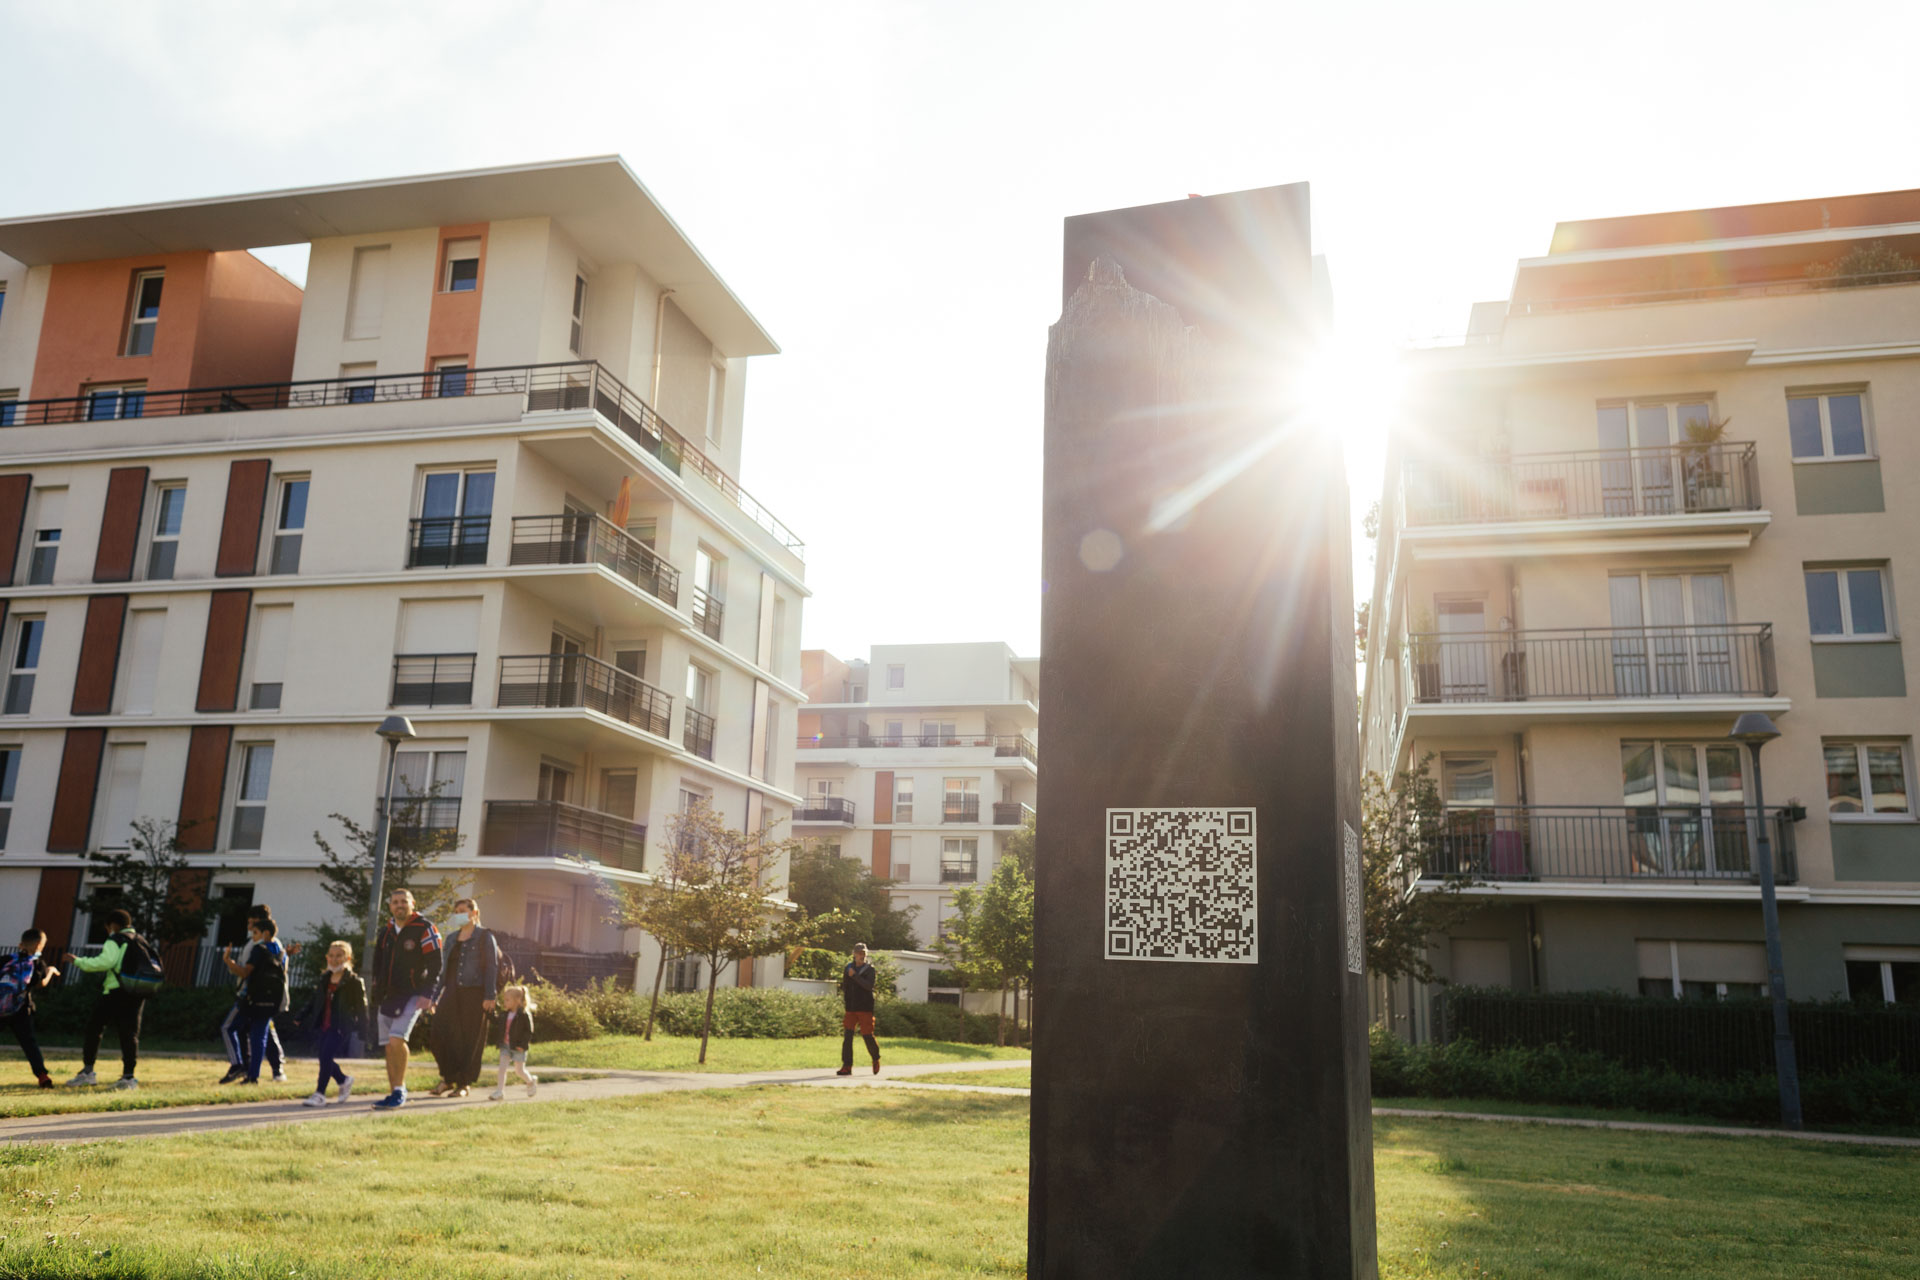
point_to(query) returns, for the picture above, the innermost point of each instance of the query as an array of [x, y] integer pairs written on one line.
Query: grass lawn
[[1009, 1078], [682, 1053], [170, 1082], [751, 1182]]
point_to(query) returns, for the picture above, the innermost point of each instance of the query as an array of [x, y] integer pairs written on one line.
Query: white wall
[[26, 304]]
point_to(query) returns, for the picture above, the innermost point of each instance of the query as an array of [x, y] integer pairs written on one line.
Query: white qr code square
[[1180, 885]]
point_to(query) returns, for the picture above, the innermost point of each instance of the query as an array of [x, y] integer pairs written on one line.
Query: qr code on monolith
[[1180, 885]]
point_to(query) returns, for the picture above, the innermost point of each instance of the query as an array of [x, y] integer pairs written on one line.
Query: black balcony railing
[[1011, 813], [697, 734], [548, 829], [708, 613], [960, 808], [1605, 484], [1612, 843], [1734, 660], [591, 539], [1008, 745], [446, 542], [433, 679], [959, 870], [421, 819], [825, 809], [575, 680], [580, 384]]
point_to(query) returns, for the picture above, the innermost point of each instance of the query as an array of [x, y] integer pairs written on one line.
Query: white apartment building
[[480, 473], [920, 762]]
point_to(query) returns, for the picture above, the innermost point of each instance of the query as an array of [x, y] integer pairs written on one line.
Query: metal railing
[[1010, 745], [591, 539], [433, 679], [1011, 813], [1741, 289], [1734, 660], [825, 809], [1600, 484], [575, 680], [696, 735], [1612, 843], [708, 613], [446, 542], [960, 808], [578, 384], [423, 817], [959, 870], [549, 829]]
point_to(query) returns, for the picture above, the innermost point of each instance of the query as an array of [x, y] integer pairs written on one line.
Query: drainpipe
[[659, 323]]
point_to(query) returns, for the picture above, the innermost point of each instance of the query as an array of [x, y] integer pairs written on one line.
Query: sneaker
[[533, 1085], [233, 1075], [393, 1101], [85, 1077], [46, 1082], [279, 1077], [126, 1082], [844, 1071], [346, 1090], [876, 1066], [498, 1095], [315, 1100]]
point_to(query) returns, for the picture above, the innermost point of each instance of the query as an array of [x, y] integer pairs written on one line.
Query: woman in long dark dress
[[463, 1007]]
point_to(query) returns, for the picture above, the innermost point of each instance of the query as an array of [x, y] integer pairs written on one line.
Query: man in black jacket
[[405, 973], [856, 993]]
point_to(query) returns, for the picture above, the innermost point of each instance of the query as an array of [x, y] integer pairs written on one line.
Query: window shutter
[[120, 524], [883, 796], [882, 854], [99, 655], [203, 787], [73, 795], [225, 647], [439, 626], [13, 517], [239, 553]]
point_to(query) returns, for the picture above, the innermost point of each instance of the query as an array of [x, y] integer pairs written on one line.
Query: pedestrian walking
[[21, 975], [334, 1013], [119, 1006], [463, 1004], [263, 981], [856, 994], [405, 974], [515, 1022], [233, 1026]]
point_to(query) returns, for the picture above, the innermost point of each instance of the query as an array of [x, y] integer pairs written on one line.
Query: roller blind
[[367, 299], [439, 626]]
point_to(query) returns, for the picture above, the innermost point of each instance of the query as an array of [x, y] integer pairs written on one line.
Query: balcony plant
[[1423, 648], [1704, 465]]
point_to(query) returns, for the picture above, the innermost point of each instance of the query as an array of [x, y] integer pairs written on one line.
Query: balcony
[[575, 680], [1011, 813], [960, 808], [585, 539], [421, 822], [548, 829], [447, 542], [1008, 746], [826, 810], [433, 679], [1685, 496], [959, 870], [697, 734], [1612, 844], [708, 613]]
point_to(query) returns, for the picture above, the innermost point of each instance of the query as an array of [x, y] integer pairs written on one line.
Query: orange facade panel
[[120, 524], [14, 492], [99, 655]]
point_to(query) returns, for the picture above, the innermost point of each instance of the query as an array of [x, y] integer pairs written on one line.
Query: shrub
[[562, 1015], [825, 966], [176, 1013], [750, 1013]]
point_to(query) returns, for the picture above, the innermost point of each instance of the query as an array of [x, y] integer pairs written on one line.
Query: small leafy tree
[[990, 935], [825, 883], [653, 908], [1409, 890], [152, 881], [1864, 264], [413, 847]]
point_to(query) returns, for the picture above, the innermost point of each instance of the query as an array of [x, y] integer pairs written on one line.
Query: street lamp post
[[1756, 730], [394, 730]]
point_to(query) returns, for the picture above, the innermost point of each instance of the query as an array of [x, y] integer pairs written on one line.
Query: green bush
[[175, 1013], [562, 1015], [751, 1013], [825, 966]]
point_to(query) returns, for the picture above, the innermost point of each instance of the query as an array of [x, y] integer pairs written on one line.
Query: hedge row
[[763, 1013]]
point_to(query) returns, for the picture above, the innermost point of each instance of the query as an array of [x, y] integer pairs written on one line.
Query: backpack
[[267, 983], [16, 979], [503, 974], [140, 973]]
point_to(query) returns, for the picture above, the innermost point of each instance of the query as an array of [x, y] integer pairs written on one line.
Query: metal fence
[[591, 539], [825, 809], [1010, 745], [433, 679], [1612, 842], [575, 680], [696, 735], [1588, 663], [550, 829], [446, 542], [1592, 484]]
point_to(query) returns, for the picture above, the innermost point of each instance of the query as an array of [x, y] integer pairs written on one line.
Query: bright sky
[[884, 184]]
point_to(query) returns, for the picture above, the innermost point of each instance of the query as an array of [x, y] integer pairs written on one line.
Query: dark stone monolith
[[1200, 1098]]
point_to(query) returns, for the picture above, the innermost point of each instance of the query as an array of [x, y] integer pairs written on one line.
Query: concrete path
[[557, 1084]]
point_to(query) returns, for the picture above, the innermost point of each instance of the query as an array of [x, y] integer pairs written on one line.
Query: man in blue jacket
[[404, 976]]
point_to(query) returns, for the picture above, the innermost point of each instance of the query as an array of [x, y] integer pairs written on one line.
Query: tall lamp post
[[1756, 730], [394, 730]]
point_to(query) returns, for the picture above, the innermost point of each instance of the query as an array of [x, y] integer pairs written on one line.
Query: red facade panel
[[14, 492], [73, 795], [239, 552], [225, 647], [120, 524], [204, 786], [99, 655]]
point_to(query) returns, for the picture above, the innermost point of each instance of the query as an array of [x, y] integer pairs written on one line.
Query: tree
[[1362, 620], [989, 938], [1403, 848], [413, 846], [825, 883], [152, 881], [653, 908]]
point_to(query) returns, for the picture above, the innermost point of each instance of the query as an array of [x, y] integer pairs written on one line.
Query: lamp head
[[396, 729], [1755, 728]]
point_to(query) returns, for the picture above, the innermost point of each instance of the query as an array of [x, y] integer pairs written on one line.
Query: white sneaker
[[533, 1085], [279, 1077], [126, 1082], [84, 1077], [498, 1095], [315, 1100], [346, 1090]]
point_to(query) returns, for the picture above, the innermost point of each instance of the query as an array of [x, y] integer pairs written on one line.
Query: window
[[959, 860], [1868, 780], [456, 518], [1671, 635], [26, 662], [230, 921], [632, 659], [1877, 975], [250, 803], [555, 783], [146, 631], [620, 792], [120, 400], [461, 272], [1848, 601], [896, 730], [364, 390], [708, 611], [49, 513], [426, 791], [896, 676], [1827, 426], [146, 313], [45, 555], [9, 406], [857, 693], [543, 921], [699, 688], [1702, 970], [903, 858], [1467, 781], [1651, 483], [290, 525], [716, 399], [962, 800], [452, 375], [433, 679], [367, 295], [1687, 803], [125, 762], [272, 628], [576, 333], [934, 733], [902, 799], [169, 509], [9, 779], [690, 799]]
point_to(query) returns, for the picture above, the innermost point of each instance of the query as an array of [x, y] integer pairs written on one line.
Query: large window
[[959, 860], [250, 802], [451, 375], [1868, 780], [1833, 425], [290, 525], [896, 675], [272, 630], [962, 802], [1702, 970], [1848, 600], [456, 518], [169, 510], [427, 789], [902, 798], [146, 313], [1650, 484], [27, 634], [461, 274], [1690, 799], [1883, 975], [117, 400]]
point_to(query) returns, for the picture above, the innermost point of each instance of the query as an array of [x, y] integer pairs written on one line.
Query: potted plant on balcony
[[1708, 487], [1424, 651]]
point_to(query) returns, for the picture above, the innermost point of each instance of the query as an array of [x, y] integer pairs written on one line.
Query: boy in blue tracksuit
[[263, 983], [233, 1028]]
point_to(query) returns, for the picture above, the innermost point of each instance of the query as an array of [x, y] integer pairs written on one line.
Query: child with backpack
[[515, 1020], [335, 1013], [233, 1027], [263, 979], [133, 974], [21, 975]]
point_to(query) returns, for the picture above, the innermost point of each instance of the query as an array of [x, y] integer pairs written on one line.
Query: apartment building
[[919, 761], [1667, 481], [480, 473]]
